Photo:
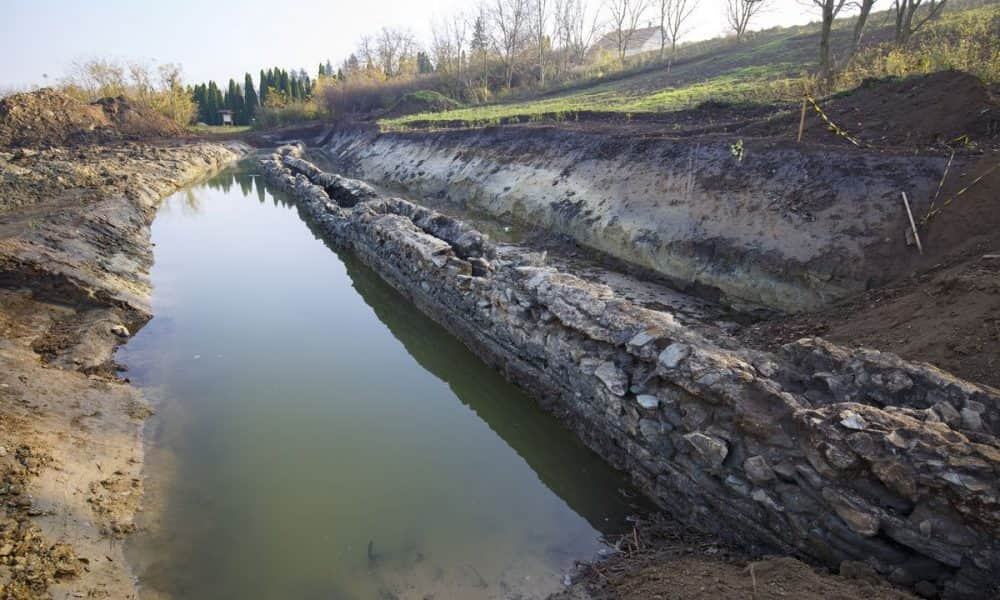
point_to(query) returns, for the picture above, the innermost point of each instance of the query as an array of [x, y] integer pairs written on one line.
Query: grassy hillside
[[772, 67]]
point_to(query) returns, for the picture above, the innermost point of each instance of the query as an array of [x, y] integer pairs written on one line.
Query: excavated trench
[[818, 450]]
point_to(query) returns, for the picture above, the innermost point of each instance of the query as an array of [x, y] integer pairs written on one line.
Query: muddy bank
[[816, 450], [74, 260], [780, 227]]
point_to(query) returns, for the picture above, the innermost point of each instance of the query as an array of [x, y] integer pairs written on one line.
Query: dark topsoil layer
[[47, 118], [916, 112]]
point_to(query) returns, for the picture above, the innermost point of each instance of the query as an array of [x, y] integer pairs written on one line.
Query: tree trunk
[[825, 63], [859, 25]]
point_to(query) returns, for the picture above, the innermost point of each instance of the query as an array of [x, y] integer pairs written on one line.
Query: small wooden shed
[[227, 117]]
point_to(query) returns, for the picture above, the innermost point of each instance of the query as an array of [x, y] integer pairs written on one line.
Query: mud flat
[[838, 455], [74, 260]]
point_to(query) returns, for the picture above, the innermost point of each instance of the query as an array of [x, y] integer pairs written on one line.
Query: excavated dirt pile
[[47, 118], [920, 111]]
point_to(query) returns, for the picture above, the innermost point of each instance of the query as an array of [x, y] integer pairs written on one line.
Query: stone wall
[[821, 451]]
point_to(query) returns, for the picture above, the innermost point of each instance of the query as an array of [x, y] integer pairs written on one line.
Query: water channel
[[318, 437]]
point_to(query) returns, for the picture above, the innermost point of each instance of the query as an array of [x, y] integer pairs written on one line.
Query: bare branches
[[673, 15], [625, 17], [739, 13], [509, 22], [906, 10]]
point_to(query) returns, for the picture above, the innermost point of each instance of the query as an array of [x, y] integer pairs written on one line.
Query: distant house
[[227, 117], [642, 40]]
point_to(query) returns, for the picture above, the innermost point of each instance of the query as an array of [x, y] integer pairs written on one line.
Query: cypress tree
[[262, 96], [250, 99], [322, 70], [283, 83], [211, 104]]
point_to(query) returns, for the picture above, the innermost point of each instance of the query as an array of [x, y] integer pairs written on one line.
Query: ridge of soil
[[47, 118], [74, 257], [920, 111], [944, 310]]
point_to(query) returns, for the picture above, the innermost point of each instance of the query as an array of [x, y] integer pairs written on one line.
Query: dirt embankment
[[49, 118], [74, 259], [763, 222]]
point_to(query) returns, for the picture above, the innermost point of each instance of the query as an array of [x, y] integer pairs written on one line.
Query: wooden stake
[[913, 226], [802, 118]]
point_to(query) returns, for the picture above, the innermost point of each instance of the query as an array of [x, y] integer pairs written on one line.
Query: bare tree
[[572, 35], [905, 11], [739, 14], [540, 18], [864, 9], [829, 10], [673, 15], [625, 16], [448, 40], [509, 19], [395, 51]]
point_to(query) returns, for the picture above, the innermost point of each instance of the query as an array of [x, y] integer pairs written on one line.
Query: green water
[[317, 437]]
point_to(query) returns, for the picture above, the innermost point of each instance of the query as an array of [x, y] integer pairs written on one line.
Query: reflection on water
[[317, 437]]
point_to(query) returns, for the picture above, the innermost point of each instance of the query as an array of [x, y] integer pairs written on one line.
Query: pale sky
[[219, 39]]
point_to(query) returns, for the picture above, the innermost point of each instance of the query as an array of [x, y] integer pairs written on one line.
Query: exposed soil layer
[[942, 308], [74, 257], [921, 111], [49, 118]]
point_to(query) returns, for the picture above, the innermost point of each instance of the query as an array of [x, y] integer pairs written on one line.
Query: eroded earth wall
[[817, 450], [777, 228]]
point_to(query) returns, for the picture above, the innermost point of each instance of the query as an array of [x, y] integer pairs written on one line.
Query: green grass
[[771, 68], [218, 129]]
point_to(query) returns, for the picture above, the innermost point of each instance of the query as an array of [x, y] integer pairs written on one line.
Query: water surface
[[317, 437]]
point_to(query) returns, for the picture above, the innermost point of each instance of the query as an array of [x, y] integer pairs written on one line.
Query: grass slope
[[772, 67]]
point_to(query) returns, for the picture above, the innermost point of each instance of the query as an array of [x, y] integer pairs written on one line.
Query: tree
[[829, 10], [262, 96], [906, 10], [864, 9], [625, 17], [739, 14], [574, 29], [540, 16], [509, 20], [448, 39], [479, 44], [424, 65], [673, 15], [251, 100]]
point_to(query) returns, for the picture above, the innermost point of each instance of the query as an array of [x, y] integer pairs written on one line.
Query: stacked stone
[[834, 454]]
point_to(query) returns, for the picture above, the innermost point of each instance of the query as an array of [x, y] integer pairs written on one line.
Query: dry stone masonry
[[830, 453]]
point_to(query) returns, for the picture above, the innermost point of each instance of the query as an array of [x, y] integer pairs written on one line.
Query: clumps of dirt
[[918, 111], [658, 561], [47, 118], [33, 564]]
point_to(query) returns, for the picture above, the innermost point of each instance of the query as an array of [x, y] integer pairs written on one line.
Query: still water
[[317, 437]]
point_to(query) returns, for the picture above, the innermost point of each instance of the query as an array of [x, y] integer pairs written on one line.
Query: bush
[[288, 114], [964, 41]]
